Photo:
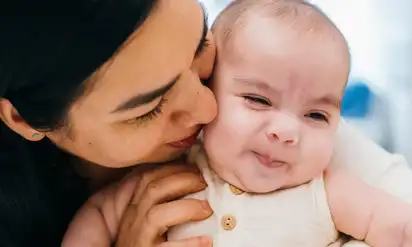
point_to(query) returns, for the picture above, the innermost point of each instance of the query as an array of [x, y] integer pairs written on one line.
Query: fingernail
[[202, 179], [206, 241], [206, 206]]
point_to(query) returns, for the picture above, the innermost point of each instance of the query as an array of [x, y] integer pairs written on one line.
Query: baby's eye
[[317, 116], [254, 99]]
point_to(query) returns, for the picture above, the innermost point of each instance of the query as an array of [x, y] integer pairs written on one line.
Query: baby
[[281, 71]]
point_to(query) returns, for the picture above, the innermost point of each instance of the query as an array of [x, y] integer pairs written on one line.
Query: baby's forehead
[[298, 16]]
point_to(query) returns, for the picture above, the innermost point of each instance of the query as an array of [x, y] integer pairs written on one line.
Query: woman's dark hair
[[48, 51], [49, 48]]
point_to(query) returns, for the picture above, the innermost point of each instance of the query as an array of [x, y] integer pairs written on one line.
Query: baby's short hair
[[299, 15]]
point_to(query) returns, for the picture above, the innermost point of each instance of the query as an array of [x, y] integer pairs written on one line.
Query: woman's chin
[[170, 156]]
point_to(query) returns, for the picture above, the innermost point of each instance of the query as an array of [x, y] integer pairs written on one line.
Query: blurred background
[[378, 98]]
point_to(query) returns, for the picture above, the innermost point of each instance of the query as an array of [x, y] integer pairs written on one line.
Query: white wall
[[379, 33]]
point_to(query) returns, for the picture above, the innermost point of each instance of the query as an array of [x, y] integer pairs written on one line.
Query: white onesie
[[298, 217]]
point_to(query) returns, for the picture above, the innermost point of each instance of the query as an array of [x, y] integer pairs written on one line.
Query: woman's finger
[[202, 241], [162, 216], [155, 174], [154, 187], [125, 190], [170, 188]]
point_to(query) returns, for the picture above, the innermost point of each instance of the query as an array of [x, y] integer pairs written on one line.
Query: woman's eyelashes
[[151, 115], [157, 111], [203, 47]]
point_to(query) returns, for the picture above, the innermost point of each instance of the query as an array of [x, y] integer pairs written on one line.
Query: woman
[[117, 84]]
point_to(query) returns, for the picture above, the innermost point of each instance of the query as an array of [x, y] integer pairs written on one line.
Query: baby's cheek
[[228, 130], [324, 150], [318, 152]]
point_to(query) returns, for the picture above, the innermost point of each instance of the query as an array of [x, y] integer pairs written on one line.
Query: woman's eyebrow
[[203, 39], [145, 98], [148, 97]]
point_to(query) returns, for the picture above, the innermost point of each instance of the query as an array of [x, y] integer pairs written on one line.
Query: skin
[[278, 105], [148, 206], [284, 104], [118, 139], [149, 190], [161, 50]]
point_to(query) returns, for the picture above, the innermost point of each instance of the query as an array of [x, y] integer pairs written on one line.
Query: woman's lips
[[185, 143]]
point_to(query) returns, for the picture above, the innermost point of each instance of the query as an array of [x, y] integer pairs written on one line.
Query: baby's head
[[282, 67]]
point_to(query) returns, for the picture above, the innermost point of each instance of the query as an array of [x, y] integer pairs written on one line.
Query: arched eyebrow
[[145, 98]]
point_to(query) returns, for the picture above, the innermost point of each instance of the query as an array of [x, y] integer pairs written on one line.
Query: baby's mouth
[[268, 161]]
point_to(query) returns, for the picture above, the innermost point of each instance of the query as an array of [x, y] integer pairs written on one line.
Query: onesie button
[[235, 190], [228, 222]]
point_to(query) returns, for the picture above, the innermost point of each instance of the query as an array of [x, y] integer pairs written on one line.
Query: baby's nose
[[284, 129]]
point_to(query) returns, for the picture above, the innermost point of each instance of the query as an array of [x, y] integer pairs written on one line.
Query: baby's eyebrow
[[330, 99], [258, 84]]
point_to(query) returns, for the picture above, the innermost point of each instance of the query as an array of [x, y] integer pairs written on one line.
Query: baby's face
[[278, 98]]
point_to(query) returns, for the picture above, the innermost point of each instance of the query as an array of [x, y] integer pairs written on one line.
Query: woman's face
[[148, 102]]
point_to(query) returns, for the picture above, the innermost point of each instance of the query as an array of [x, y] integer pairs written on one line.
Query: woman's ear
[[10, 116]]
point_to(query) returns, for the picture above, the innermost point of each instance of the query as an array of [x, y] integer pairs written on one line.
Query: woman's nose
[[199, 107]]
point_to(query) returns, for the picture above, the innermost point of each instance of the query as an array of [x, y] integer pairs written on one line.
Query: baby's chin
[[258, 185], [261, 188]]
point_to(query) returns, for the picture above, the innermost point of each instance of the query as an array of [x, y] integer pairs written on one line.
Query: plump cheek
[[117, 147], [228, 138], [218, 141], [111, 153], [223, 142], [317, 152], [231, 130]]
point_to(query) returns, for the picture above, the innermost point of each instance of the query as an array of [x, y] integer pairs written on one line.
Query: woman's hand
[[155, 206]]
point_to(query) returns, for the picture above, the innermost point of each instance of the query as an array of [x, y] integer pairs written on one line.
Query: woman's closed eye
[[201, 49], [151, 115], [157, 111]]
